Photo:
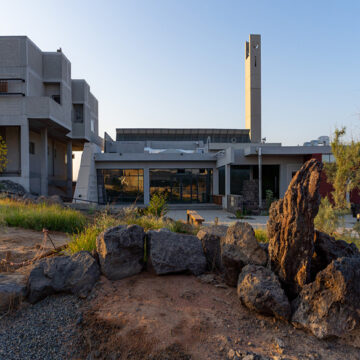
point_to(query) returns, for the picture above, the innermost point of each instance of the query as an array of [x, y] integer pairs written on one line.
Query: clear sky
[[180, 63]]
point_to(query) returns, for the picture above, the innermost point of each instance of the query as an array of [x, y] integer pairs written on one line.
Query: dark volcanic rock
[[328, 249], [260, 290], [170, 252], [121, 251], [330, 306], [76, 274], [240, 248], [12, 290], [291, 228], [11, 187], [210, 238]]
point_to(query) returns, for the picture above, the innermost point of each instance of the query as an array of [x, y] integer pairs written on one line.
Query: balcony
[[46, 108]]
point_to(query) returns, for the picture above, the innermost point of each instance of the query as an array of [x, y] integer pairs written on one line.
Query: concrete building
[[45, 115], [229, 167]]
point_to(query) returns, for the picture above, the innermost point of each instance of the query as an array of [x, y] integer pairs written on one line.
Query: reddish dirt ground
[[17, 245], [179, 317]]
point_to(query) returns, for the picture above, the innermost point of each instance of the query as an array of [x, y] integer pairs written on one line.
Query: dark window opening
[[79, 113], [238, 173], [32, 148], [121, 185], [182, 185], [56, 98], [4, 86], [270, 179], [221, 180], [255, 61]]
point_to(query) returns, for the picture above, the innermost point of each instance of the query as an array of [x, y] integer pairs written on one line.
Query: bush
[[86, 239], [158, 205], [328, 220], [40, 216], [261, 235]]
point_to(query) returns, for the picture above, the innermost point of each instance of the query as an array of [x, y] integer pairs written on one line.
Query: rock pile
[[17, 192], [312, 280], [304, 276]]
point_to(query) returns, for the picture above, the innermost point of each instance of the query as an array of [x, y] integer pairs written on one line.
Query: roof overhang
[[286, 150]]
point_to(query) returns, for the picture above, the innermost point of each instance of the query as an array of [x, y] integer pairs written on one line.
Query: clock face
[[256, 46]]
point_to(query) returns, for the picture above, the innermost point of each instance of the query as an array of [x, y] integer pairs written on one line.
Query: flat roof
[[287, 150], [178, 131]]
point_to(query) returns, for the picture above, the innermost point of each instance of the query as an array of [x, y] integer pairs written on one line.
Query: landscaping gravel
[[46, 330]]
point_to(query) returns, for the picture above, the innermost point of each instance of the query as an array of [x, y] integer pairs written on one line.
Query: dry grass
[[40, 216]]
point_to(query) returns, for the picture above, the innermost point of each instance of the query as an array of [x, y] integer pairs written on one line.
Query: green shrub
[[158, 205], [328, 220], [86, 239], [261, 235], [40, 216]]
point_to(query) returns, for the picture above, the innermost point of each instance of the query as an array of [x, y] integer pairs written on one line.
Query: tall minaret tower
[[253, 87]]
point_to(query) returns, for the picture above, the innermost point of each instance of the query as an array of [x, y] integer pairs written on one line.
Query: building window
[[79, 113], [92, 125], [328, 158], [122, 185], [56, 98], [32, 148], [238, 174], [3, 86], [182, 185]]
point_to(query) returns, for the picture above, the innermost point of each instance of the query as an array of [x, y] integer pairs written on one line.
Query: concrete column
[[146, 186], [227, 184], [44, 161], [24, 157], [69, 169], [260, 177], [215, 181]]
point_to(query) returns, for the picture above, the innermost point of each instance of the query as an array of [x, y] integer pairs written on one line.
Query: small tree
[[158, 205], [3, 155], [344, 173]]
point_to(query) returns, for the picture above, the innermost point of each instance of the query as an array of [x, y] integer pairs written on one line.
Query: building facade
[[45, 115], [224, 166]]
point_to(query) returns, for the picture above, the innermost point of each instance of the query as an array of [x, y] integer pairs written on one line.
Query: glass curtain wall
[[182, 185], [122, 185]]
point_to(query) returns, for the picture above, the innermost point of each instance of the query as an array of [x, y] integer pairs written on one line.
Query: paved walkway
[[226, 218]]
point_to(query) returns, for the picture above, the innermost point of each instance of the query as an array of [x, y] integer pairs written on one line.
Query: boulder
[[12, 290], [328, 249], [76, 274], [330, 306], [121, 251], [240, 248], [260, 290], [11, 187], [291, 228], [170, 252], [210, 238]]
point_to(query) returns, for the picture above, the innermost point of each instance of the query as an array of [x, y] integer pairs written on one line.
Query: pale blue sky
[[180, 63]]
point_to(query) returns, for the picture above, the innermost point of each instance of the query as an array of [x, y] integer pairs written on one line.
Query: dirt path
[[175, 317], [19, 245]]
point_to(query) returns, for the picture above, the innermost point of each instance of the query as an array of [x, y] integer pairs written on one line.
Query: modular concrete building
[[230, 167], [44, 116]]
